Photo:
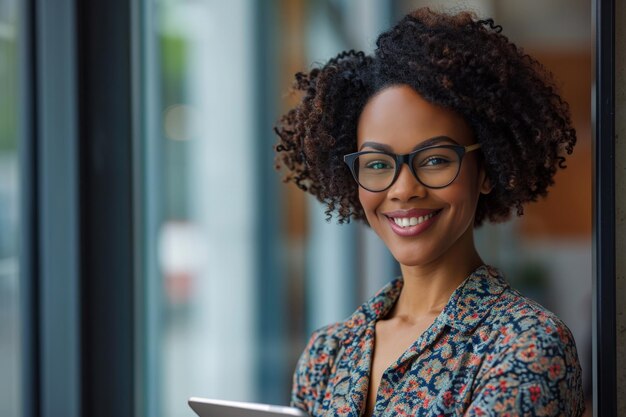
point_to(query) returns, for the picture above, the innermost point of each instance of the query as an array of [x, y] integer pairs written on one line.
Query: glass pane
[[201, 271], [10, 346], [241, 268], [233, 280]]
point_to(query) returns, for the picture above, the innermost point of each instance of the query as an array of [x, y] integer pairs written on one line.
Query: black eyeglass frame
[[407, 158]]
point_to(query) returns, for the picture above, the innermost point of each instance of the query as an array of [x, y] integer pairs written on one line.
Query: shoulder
[[315, 364], [499, 316], [532, 357], [525, 331], [326, 344], [323, 344], [522, 318]]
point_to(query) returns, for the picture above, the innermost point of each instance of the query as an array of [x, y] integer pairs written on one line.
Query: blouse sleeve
[[312, 370], [537, 375], [301, 391]]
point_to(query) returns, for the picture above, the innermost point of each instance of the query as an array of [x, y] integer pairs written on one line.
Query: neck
[[427, 288]]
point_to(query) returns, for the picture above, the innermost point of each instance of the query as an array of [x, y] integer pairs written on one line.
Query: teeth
[[411, 221]]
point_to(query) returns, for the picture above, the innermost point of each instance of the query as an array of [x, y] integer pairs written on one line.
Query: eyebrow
[[423, 144]]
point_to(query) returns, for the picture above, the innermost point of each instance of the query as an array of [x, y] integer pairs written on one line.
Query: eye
[[434, 161], [376, 165]]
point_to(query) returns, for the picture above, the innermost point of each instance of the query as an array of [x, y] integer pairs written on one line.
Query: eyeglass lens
[[435, 167]]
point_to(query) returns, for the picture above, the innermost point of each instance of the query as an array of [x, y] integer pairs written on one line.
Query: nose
[[406, 186]]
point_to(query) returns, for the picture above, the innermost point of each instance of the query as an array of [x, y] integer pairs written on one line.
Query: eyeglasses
[[433, 166]]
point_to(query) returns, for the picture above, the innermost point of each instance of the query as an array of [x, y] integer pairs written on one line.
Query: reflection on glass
[[9, 214]]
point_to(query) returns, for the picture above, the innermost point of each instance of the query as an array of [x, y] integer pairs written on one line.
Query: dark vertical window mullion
[[604, 338], [140, 385], [29, 254], [106, 196]]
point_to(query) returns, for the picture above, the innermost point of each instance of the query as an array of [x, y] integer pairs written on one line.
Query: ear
[[485, 183]]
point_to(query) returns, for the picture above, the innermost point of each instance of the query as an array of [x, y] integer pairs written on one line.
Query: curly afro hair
[[457, 61]]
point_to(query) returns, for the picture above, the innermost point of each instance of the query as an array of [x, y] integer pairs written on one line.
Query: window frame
[[604, 304]]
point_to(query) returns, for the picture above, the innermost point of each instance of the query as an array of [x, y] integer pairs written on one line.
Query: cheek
[[466, 186], [462, 196], [370, 202]]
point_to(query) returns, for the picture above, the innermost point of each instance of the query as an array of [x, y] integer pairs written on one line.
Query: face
[[399, 119]]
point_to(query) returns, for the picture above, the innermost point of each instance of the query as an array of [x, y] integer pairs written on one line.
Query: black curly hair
[[454, 60]]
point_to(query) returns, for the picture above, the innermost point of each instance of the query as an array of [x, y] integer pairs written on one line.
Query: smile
[[412, 221]]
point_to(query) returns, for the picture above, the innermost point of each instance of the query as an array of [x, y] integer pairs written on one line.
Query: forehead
[[401, 118]]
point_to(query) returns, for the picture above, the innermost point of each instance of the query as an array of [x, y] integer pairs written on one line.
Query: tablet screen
[[205, 407]]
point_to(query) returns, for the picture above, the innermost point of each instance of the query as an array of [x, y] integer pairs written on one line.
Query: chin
[[414, 257]]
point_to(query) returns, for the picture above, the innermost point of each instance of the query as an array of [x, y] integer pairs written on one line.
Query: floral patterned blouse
[[491, 352]]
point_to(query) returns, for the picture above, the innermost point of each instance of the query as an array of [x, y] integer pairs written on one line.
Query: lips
[[411, 222]]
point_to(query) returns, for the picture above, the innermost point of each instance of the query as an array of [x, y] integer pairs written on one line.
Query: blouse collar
[[466, 307]]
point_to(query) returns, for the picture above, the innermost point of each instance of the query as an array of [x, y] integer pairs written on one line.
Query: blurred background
[[239, 268], [10, 317]]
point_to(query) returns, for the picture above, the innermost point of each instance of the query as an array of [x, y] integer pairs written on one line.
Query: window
[[10, 314], [241, 268]]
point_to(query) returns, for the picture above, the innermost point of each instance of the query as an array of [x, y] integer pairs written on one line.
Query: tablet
[[220, 408]]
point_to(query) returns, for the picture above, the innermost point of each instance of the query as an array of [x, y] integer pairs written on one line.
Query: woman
[[445, 126]]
